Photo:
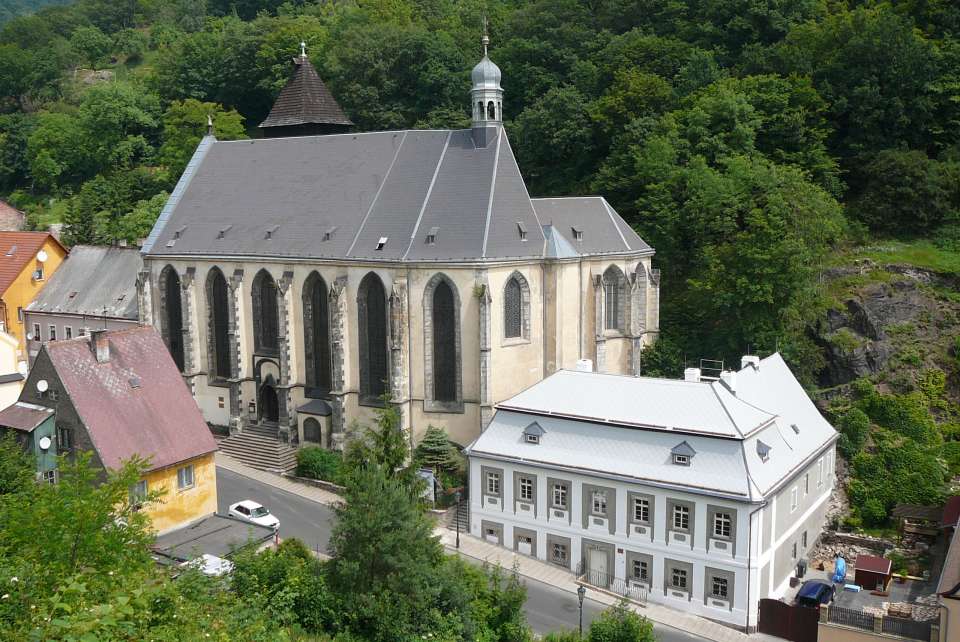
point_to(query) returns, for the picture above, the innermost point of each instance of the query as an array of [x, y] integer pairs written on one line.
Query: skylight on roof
[[12, 250], [270, 232], [382, 243], [522, 230], [763, 450], [327, 235], [796, 428], [432, 236], [577, 233]]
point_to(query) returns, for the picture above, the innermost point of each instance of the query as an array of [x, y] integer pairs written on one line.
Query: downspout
[[410, 364], [750, 565], [580, 303]]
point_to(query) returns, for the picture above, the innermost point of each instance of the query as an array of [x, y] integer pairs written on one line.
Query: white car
[[251, 511]]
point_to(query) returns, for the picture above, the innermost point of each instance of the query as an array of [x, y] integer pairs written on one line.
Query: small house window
[[793, 499], [67, 332], [432, 235], [641, 570], [20, 315], [53, 332], [793, 551], [49, 476], [526, 489], [720, 587], [577, 233], [63, 438], [803, 540], [641, 510], [138, 493], [185, 477], [599, 503], [522, 230], [532, 439], [559, 496], [36, 332], [493, 483], [820, 472], [681, 518], [806, 484], [722, 525], [678, 578], [681, 460], [38, 273], [559, 554]]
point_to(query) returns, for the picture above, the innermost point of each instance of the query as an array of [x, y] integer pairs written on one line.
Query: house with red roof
[[119, 394]]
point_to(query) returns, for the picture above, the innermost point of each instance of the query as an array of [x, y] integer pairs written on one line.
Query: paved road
[[301, 518], [548, 608]]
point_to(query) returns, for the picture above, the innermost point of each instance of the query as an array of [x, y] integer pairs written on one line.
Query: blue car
[[813, 593]]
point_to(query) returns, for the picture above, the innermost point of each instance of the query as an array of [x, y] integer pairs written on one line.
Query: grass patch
[[921, 253]]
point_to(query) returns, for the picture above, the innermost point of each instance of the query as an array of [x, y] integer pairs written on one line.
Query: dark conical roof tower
[[305, 107]]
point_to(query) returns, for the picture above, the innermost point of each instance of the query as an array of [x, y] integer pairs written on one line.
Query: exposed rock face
[[856, 339]]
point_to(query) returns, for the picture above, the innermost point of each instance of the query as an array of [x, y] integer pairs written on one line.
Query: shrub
[[315, 462], [854, 428]]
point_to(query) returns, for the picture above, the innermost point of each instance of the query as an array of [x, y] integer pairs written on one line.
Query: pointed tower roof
[[305, 105]]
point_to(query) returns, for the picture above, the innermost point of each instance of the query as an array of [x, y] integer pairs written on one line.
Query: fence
[[899, 627], [628, 589]]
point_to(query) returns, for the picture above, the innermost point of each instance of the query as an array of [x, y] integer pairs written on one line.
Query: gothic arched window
[[316, 336], [372, 312], [218, 315], [491, 111], [613, 298], [441, 306], [516, 307], [266, 318], [171, 319]]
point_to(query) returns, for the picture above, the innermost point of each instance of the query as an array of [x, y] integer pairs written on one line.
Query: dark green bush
[[315, 462], [854, 428]]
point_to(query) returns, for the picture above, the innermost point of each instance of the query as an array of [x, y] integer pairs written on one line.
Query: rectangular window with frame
[[641, 510], [793, 499], [67, 332], [49, 476], [560, 496], [185, 477], [559, 553], [820, 472], [526, 489], [641, 570], [138, 493], [722, 525], [36, 332], [806, 484], [793, 551], [600, 503], [681, 518], [63, 439], [493, 484], [20, 315], [720, 587], [803, 540], [678, 578], [52, 330]]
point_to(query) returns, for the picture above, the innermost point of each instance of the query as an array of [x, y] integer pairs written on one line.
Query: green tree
[[620, 624], [185, 123], [91, 45], [16, 464], [59, 151], [130, 43], [122, 121], [383, 445], [854, 430]]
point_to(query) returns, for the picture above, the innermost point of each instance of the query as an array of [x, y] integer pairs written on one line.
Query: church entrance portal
[[269, 405]]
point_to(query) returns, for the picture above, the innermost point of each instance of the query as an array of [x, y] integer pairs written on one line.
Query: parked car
[[251, 511], [813, 593]]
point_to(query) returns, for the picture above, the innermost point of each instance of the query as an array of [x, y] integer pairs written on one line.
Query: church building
[[302, 278]]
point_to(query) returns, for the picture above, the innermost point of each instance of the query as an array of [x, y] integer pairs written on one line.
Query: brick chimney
[[100, 346]]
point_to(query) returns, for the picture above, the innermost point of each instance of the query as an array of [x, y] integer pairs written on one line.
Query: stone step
[[258, 448]]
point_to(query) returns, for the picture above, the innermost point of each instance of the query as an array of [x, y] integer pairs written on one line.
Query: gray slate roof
[[93, 281], [336, 196]]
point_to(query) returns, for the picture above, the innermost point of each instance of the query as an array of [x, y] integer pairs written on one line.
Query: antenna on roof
[[209, 124]]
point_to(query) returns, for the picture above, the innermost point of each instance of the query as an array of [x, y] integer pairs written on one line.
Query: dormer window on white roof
[[763, 450], [682, 453], [533, 432]]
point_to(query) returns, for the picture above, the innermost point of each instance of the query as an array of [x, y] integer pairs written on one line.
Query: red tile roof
[[17, 249], [873, 564], [135, 403], [23, 416]]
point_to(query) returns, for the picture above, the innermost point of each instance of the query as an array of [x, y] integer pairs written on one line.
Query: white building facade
[[699, 495]]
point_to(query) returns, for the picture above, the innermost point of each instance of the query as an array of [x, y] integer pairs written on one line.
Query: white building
[[703, 494]]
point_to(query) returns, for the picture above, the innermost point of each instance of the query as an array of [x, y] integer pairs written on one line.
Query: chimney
[[729, 379], [584, 365], [750, 360], [691, 374], [99, 345]]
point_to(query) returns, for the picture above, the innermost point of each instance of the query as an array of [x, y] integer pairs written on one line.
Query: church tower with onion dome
[[487, 98]]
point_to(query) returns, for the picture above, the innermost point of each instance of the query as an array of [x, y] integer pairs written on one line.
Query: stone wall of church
[[560, 320]]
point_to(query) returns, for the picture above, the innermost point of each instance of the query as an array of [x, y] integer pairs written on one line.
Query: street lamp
[[581, 593], [457, 517]]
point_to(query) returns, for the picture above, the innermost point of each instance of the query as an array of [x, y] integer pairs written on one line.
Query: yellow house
[[27, 259], [119, 394]]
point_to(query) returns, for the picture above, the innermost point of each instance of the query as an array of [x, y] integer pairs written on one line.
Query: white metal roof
[[663, 404], [628, 426]]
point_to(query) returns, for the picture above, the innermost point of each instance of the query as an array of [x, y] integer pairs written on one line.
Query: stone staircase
[[452, 516], [259, 447]]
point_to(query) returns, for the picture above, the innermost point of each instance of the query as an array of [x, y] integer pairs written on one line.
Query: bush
[[315, 462], [854, 428]]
